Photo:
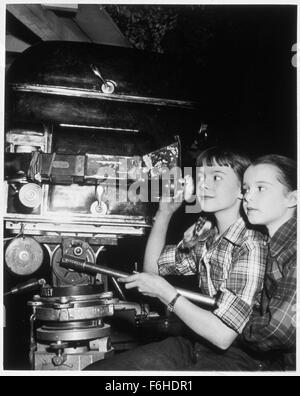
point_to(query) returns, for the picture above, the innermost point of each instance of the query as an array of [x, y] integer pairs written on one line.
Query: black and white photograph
[[149, 191]]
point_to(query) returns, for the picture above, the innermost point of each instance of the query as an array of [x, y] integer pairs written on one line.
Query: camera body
[[85, 168]]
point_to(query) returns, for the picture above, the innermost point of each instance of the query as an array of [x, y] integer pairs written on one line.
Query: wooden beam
[[72, 31], [14, 44], [70, 8], [44, 23], [99, 26]]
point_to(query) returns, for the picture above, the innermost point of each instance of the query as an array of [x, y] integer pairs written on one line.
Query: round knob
[[30, 195], [108, 87], [78, 251], [98, 208], [24, 256], [58, 360]]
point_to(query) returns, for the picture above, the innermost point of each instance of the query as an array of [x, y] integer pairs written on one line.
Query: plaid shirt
[[231, 268], [273, 326]]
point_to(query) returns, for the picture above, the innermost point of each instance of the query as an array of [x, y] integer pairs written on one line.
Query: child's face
[[218, 188], [266, 200]]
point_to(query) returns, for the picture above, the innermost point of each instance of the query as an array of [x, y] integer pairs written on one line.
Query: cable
[[31, 284]]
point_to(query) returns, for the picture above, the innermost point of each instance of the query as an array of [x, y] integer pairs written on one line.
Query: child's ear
[[292, 199]]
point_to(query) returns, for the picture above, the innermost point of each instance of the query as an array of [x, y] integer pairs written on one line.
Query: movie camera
[[83, 172]]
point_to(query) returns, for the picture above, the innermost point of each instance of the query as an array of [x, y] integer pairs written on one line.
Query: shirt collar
[[283, 236], [234, 232], [204, 228]]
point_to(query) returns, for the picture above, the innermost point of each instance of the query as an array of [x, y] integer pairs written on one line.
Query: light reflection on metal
[[30, 195], [89, 220], [99, 127], [92, 94]]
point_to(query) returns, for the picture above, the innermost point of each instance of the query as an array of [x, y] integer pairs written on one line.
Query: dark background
[[240, 58]]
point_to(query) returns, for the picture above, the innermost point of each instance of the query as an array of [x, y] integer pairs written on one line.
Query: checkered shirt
[[230, 268], [273, 326]]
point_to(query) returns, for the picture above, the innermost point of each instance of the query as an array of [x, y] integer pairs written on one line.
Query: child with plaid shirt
[[270, 199], [228, 257]]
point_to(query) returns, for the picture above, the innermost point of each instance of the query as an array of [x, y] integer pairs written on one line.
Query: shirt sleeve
[[177, 260], [276, 328], [182, 259], [241, 289]]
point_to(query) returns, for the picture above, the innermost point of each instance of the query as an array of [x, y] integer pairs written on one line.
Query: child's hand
[[150, 285], [169, 205]]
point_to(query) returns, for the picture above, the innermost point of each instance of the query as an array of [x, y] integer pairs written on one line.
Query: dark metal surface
[[70, 64], [48, 334], [64, 277], [95, 94], [75, 291], [54, 82]]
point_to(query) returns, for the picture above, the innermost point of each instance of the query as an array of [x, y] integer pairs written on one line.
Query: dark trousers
[[179, 354]]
